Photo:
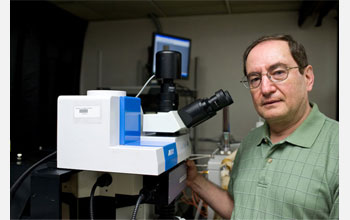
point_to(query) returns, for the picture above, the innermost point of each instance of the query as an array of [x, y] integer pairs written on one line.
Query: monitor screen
[[170, 42]]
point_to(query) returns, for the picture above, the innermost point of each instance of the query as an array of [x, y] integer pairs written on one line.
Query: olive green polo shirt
[[297, 178]]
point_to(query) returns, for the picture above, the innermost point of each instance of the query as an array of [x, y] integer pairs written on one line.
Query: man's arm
[[218, 199]]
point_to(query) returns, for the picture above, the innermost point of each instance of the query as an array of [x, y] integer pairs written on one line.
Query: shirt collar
[[262, 134], [304, 136]]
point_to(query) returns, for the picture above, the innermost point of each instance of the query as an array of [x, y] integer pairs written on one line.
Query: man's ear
[[309, 77]]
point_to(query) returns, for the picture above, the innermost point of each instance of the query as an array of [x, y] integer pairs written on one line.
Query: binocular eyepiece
[[203, 109], [168, 68]]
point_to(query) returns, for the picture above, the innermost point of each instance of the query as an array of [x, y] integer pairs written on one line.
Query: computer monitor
[[170, 42]]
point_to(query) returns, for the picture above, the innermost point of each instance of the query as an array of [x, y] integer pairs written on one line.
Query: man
[[287, 168]]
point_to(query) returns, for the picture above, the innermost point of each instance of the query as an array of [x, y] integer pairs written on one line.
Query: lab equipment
[[106, 131], [102, 132]]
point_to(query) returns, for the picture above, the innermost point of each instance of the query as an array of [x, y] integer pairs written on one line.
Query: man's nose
[[267, 86]]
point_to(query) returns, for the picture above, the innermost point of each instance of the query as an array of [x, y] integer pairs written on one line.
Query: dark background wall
[[45, 53]]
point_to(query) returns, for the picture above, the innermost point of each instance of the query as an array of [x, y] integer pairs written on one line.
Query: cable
[[92, 194], [103, 180], [20, 179], [155, 20], [195, 199], [196, 202], [145, 85], [139, 200], [199, 156], [198, 209]]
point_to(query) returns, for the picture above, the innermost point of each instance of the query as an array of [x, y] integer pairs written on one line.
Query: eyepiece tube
[[220, 100], [203, 109]]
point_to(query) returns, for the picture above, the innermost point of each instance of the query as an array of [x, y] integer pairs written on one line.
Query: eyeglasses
[[279, 74]]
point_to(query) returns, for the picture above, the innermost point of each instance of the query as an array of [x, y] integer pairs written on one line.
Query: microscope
[[106, 131]]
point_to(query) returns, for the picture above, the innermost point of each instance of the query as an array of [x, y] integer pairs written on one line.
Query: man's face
[[278, 101]]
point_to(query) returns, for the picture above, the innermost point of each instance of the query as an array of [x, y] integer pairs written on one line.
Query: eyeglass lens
[[276, 75]]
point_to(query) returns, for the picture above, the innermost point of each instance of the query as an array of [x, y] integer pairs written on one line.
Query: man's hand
[[216, 198], [192, 172]]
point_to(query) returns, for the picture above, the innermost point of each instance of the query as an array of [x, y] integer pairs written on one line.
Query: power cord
[[20, 179], [139, 200], [144, 196], [102, 181]]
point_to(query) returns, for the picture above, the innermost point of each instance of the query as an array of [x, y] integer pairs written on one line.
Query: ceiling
[[138, 9]]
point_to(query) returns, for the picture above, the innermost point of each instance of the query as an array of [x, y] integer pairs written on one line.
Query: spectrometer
[[106, 131]]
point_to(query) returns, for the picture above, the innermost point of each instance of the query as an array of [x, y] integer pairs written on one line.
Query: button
[[269, 160]]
